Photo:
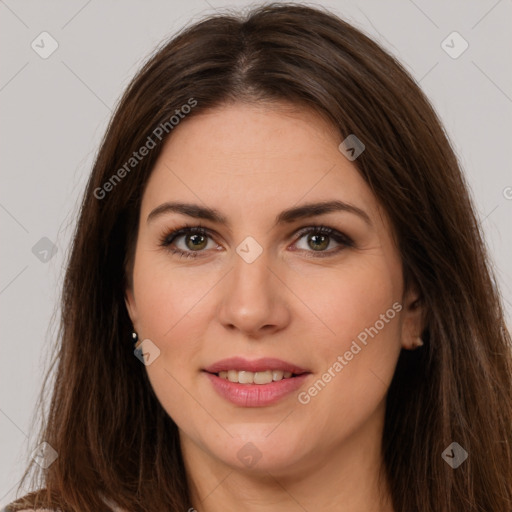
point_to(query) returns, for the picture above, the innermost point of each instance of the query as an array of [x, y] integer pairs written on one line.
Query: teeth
[[243, 377], [277, 375], [263, 377], [246, 377], [233, 376]]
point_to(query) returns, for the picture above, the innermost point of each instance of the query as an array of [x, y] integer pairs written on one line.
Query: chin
[[271, 452]]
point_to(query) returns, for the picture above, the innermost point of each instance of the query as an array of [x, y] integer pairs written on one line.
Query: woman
[[278, 221]]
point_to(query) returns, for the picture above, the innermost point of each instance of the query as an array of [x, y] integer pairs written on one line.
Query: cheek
[[357, 345], [174, 309], [168, 296], [348, 299], [169, 305], [333, 306]]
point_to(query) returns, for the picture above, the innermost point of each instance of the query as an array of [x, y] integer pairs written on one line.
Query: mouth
[[255, 383], [259, 378]]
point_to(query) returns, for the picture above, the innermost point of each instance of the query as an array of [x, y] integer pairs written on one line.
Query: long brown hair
[[113, 437]]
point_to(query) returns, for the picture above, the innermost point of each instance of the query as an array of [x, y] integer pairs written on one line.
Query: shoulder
[[6, 509], [25, 505]]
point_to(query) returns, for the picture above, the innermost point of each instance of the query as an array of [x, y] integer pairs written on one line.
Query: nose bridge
[[253, 298], [251, 272]]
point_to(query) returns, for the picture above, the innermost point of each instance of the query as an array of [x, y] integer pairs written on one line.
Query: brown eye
[[319, 238], [318, 242], [195, 240]]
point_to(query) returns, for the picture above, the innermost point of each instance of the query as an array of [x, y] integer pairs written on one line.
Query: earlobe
[[415, 343], [413, 323], [130, 305]]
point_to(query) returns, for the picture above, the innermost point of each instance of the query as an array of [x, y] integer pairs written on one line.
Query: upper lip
[[256, 365]]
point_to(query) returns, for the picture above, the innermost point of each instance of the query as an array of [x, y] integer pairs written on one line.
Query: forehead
[[244, 156]]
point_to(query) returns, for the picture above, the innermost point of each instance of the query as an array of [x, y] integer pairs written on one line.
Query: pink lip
[[258, 365], [255, 395]]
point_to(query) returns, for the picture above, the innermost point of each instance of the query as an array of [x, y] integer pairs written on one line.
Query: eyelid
[[339, 237], [168, 237], [326, 230]]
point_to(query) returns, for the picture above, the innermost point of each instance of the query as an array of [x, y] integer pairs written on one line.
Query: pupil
[[194, 239], [315, 239]]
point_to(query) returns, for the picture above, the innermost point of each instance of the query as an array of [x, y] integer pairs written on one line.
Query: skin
[[250, 162]]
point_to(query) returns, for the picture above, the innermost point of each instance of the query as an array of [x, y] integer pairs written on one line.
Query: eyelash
[[168, 238]]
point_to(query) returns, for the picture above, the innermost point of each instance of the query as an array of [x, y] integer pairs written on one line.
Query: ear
[[412, 320], [129, 300]]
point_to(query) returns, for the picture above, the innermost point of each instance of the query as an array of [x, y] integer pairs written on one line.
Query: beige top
[[48, 510], [108, 502], [45, 510], [30, 510], [117, 509]]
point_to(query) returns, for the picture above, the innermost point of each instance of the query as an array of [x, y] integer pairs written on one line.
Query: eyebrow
[[285, 217]]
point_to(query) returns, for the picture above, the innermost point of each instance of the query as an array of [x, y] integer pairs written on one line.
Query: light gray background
[[55, 110]]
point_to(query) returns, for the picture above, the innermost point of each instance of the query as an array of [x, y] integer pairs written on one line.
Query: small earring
[[418, 342], [414, 344], [135, 337]]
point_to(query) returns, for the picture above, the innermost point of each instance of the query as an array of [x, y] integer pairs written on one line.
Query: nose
[[254, 298]]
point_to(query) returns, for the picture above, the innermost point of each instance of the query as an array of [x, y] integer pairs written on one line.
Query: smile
[[244, 377], [256, 383]]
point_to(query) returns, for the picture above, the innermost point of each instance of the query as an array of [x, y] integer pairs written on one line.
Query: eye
[[319, 238], [195, 239]]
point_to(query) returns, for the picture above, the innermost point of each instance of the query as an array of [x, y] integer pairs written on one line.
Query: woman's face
[[259, 294]]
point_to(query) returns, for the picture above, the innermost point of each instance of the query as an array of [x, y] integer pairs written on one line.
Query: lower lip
[[255, 395]]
